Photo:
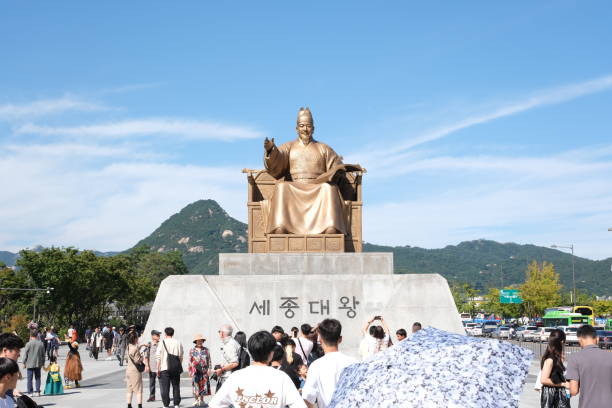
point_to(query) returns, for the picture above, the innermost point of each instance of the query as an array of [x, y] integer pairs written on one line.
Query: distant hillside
[[481, 262], [200, 232], [8, 258], [203, 229]]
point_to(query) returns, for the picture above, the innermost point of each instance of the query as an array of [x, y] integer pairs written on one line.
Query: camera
[[214, 376]]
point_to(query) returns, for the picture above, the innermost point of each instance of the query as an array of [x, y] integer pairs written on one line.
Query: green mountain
[[203, 229], [200, 232], [8, 258], [486, 263]]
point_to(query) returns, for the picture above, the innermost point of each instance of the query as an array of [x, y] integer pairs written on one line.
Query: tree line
[[540, 290], [87, 288]]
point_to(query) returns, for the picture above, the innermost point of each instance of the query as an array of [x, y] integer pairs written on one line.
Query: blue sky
[[474, 119]]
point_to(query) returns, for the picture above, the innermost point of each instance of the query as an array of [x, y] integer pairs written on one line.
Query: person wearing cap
[[152, 363], [199, 368]]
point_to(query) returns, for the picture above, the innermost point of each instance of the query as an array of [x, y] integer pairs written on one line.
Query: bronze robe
[[300, 203]]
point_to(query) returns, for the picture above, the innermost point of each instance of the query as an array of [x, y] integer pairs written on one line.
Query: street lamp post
[[573, 269]]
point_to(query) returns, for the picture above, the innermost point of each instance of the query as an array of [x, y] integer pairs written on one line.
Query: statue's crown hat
[[305, 114]]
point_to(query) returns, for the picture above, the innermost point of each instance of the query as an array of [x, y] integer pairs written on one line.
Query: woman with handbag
[[554, 386], [134, 370], [199, 369]]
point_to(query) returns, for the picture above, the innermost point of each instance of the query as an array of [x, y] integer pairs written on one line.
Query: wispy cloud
[[536, 100], [188, 129], [47, 107], [81, 151], [130, 88], [573, 162]]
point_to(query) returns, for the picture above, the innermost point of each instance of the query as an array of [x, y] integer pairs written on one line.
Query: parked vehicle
[[527, 333], [502, 332], [544, 333], [469, 328], [488, 328], [605, 338], [571, 334]]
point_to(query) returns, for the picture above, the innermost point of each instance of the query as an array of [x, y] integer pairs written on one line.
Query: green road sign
[[510, 296]]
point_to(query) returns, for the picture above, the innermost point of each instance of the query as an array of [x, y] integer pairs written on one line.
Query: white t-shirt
[[306, 345], [323, 375], [259, 386], [371, 345], [6, 402]]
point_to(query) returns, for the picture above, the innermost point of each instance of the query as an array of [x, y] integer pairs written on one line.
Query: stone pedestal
[[258, 291], [329, 263]]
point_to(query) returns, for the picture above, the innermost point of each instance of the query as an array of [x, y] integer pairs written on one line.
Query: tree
[[602, 308], [541, 288], [464, 295], [86, 286]]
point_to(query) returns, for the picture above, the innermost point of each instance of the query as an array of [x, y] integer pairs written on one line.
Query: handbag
[[26, 402], [55, 377], [174, 362], [139, 366]]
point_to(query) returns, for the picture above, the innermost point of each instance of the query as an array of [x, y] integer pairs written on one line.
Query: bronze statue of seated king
[[306, 200]]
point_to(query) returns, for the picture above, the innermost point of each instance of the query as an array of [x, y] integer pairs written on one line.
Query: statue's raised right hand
[[268, 144]]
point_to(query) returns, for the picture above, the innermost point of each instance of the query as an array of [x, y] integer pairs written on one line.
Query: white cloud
[[130, 88], [538, 99], [572, 163], [539, 213], [47, 107], [109, 207], [188, 129]]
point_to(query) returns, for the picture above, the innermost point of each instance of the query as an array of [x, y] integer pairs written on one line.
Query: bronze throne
[[261, 187]]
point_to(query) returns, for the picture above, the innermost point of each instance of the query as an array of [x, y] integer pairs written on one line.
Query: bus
[[554, 318], [586, 311], [581, 310]]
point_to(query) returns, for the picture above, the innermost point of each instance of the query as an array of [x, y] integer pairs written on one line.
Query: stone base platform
[[251, 302], [326, 263]]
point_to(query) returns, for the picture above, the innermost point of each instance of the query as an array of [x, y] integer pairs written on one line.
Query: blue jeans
[[36, 373]]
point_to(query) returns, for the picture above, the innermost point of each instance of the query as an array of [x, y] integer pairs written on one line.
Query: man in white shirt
[[324, 373], [258, 385], [230, 351], [303, 346], [166, 378]]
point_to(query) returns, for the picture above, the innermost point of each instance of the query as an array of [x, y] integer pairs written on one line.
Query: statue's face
[[305, 129]]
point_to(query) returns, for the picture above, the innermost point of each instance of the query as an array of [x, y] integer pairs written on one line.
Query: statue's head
[[305, 125]]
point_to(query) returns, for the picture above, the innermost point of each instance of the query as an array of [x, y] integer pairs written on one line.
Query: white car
[[528, 333], [544, 333], [476, 330], [571, 334], [469, 328]]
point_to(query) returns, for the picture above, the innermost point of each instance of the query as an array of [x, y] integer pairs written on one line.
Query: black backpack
[[25, 402], [244, 360]]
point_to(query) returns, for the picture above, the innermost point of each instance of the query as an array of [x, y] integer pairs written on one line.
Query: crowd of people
[[273, 368]]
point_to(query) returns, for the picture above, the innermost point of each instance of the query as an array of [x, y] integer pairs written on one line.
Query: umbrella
[[435, 368]]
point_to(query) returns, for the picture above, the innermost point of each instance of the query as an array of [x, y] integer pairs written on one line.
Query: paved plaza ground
[[104, 387]]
